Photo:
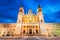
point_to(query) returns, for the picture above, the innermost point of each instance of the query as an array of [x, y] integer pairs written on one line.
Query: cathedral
[[31, 24], [27, 24]]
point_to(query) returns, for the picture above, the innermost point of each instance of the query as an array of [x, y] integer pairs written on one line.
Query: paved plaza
[[30, 38]]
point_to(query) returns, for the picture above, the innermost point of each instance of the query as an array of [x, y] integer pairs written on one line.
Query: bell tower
[[21, 12], [39, 10], [41, 20], [19, 20]]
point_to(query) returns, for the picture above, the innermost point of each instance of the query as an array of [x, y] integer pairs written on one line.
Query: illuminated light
[[30, 21]]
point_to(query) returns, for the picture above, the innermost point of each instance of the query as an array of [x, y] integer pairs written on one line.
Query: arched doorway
[[30, 30]]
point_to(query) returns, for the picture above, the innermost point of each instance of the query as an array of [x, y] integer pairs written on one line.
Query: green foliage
[[57, 29]]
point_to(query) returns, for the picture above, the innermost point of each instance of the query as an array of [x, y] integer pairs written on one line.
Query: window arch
[[19, 20], [36, 26], [37, 31], [23, 31], [27, 26], [39, 10], [33, 26], [21, 10], [41, 20], [24, 26]]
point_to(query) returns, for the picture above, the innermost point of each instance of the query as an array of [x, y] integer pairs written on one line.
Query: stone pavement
[[30, 38]]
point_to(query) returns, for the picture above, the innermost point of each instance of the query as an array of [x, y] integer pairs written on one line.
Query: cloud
[[9, 9]]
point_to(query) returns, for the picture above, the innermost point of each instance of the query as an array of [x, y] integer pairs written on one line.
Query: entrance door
[[30, 31]]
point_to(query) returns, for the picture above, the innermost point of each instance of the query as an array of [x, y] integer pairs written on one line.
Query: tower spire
[[21, 9], [21, 6], [39, 6]]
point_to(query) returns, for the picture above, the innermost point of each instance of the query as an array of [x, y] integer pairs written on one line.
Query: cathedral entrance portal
[[30, 31]]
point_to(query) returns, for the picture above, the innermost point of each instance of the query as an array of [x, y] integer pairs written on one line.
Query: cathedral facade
[[27, 24], [31, 24]]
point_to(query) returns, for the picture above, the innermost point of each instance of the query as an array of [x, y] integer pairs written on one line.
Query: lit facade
[[30, 24], [27, 24]]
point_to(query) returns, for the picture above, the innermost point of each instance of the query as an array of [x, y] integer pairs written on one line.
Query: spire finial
[[21, 9], [21, 5], [39, 6]]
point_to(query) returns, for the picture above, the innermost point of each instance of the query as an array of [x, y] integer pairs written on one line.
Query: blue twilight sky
[[9, 9]]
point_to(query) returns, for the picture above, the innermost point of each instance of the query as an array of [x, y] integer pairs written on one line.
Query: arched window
[[30, 26], [41, 20], [39, 10], [21, 10], [24, 26], [27, 26], [37, 31], [33, 26], [19, 20], [23, 31], [36, 26]]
